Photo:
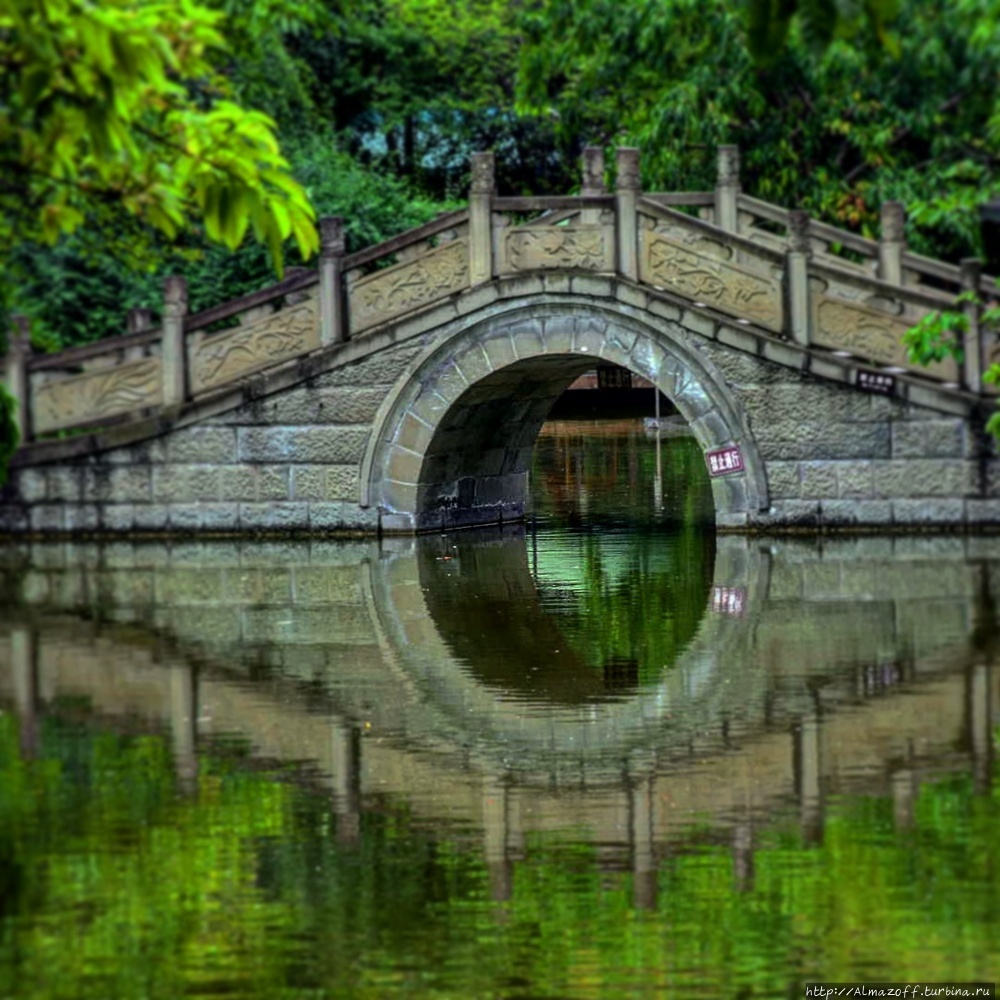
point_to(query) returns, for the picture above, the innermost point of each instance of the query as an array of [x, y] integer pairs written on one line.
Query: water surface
[[604, 755]]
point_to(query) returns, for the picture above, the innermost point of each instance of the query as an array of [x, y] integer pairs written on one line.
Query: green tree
[[837, 134], [819, 22], [118, 108], [9, 434], [415, 86], [115, 119]]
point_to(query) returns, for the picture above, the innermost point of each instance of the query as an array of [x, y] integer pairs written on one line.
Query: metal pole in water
[[534, 545], [658, 484]]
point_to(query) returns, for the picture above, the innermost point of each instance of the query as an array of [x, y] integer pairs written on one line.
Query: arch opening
[[454, 443], [477, 464]]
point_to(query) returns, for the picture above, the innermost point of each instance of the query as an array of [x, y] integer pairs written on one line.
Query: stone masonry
[[342, 439]]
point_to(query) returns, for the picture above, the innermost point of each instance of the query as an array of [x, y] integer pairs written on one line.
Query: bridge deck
[[769, 268]]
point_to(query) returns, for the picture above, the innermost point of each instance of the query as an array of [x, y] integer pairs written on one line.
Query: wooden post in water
[[904, 792], [481, 218], [15, 372], [627, 188], [24, 665], [981, 724], [797, 276], [658, 484], [495, 832], [173, 351], [743, 869], [333, 318], [727, 188], [184, 724], [808, 775]]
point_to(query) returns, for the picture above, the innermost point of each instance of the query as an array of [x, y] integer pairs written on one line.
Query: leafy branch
[[122, 100], [9, 434], [940, 335]]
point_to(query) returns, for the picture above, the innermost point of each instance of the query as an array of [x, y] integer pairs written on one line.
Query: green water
[[608, 755]]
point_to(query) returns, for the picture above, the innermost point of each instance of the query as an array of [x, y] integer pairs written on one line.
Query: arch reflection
[[506, 671], [571, 617]]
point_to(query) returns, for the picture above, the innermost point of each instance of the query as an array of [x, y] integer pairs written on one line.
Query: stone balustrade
[[787, 275]]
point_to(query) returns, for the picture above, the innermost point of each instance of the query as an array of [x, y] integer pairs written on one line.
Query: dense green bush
[[9, 434]]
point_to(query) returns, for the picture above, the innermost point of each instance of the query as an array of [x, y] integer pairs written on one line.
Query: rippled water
[[606, 755]]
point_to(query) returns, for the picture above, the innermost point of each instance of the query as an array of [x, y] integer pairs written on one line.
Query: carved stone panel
[[690, 238], [285, 334], [397, 290], [870, 334], [728, 287], [530, 248], [86, 398]]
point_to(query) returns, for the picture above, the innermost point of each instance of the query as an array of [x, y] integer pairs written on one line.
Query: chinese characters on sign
[[724, 461], [613, 377], [728, 600], [877, 382]]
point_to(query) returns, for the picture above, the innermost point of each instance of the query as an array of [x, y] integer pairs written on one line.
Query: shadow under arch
[[558, 740], [451, 445]]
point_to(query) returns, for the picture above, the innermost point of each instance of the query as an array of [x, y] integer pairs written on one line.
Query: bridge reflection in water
[[374, 662], [642, 693]]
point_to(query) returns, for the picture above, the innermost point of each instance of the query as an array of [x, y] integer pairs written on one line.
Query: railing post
[[138, 320], [15, 372], [481, 218], [627, 188], [797, 276], [727, 187], [892, 242], [332, 314], [593, 182], [973, 361], [172, 353]]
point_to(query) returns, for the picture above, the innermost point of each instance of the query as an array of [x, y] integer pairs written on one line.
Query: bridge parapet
[[776, 270]]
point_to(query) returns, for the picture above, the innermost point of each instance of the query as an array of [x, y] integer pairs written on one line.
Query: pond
[[603, 754]]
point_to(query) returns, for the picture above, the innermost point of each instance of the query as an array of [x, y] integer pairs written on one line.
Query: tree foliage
[[819, 22], [118, 107], [836, 134], [9, 434]]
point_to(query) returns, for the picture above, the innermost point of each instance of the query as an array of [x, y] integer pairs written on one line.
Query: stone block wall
[[285, 462], [290, 459], [837, 457]]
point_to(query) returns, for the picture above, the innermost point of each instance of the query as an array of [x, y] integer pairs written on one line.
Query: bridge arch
[[451, 444]]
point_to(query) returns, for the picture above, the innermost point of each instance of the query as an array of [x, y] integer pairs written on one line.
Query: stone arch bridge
[[401, 388]]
